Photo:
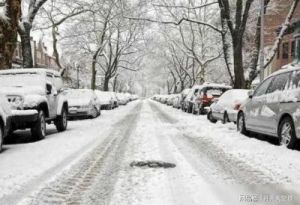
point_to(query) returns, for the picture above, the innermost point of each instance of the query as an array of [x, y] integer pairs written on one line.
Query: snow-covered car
[[5, 119], [201, 96], [123, 98], [106, 100], [83, 103], [35, 97], [274, 107], [184, 94], [114, 98], [227, 106], [177, 101]]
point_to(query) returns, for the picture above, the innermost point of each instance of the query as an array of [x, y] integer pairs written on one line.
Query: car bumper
[[79, 112], [22, 119]]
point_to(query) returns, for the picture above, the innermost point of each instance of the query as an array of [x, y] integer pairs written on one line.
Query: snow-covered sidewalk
[[25, 166]]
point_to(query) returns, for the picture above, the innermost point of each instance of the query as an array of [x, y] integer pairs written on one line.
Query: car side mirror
[[250, 94], [49, 88]]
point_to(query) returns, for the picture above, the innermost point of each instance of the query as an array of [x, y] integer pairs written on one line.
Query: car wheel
[[1, 137], [94, 113], [241, 124], [38, 131], [287, 135], [225, 118], [61, 122], [210, 117]]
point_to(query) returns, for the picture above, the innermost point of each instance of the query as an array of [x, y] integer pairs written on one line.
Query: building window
[[293, 49], [285, 50]]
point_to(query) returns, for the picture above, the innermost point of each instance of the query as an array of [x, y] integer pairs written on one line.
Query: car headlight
[[16, 102]]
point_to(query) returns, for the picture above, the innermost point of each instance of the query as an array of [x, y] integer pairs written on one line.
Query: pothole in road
[[152, 164]]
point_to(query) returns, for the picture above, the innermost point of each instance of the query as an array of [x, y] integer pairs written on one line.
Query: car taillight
[[237, 106]]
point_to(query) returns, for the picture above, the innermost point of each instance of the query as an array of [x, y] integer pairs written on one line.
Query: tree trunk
[[94, 73], [55, 51], [106, 84], [26, 45], [8, 33], [239, 82]]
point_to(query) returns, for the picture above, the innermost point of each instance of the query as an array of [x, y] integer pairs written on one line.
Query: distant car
[[201, 96], [184, 94], [274, 107], [227, 106], [123, 98], [5, 119], [114, 98], [106, 100], [177, 101], [35, 97], [83, 103]]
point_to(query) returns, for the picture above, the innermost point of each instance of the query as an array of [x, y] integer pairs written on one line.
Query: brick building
[[41, 58], [274, 18]]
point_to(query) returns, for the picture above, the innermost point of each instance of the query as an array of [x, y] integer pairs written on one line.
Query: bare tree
[[10, 12], [24, 29]]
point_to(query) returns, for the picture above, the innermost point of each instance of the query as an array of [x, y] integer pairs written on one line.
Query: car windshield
[[215, 92], [20, 79], [78, 94]]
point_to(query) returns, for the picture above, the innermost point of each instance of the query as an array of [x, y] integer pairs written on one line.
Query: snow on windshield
[[78, 94], [20, 79]]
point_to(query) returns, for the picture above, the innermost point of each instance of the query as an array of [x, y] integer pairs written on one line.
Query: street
[[94, 167]]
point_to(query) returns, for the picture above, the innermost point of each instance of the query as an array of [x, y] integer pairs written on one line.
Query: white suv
[[5, 119], [35, 99]]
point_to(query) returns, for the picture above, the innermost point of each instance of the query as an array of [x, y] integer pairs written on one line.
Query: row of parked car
[[32, 98], [272, 109]]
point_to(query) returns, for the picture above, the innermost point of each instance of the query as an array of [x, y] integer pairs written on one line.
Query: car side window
[[279, 83], [295, 81], [262, 88]]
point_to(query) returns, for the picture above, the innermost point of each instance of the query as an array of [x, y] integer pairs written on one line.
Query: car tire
[[286, 133], [61, 122], [240, 124], [95, 113], [38, 131], [1, 137], [225, 118], [210, 117]]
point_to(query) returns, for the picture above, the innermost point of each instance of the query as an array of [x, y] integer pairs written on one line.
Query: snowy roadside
[[24, 166], [281, 164]]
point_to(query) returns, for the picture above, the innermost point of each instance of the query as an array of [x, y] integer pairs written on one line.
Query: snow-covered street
[[90, 163]]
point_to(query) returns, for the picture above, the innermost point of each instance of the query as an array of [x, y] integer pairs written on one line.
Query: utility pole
[[262, 39]]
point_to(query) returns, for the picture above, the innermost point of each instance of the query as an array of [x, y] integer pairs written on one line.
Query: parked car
[[226, 107], [106, 100], [201, 96], [35, 97], [5, 119], [274, 107], [123, 98], [184, 94], [177, 101], [114, 98], [83, 103]]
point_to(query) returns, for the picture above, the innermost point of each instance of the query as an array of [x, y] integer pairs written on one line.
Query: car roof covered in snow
[[286, 68], [212, 85], [30, 70]]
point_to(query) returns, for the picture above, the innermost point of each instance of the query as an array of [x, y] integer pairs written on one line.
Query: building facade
[[274, 18], [40, 55]]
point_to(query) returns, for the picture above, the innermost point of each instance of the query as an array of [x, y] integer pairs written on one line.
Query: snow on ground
[[280, 163], [24, 165]]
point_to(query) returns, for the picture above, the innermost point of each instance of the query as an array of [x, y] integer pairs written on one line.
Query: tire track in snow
[[92, 179]]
